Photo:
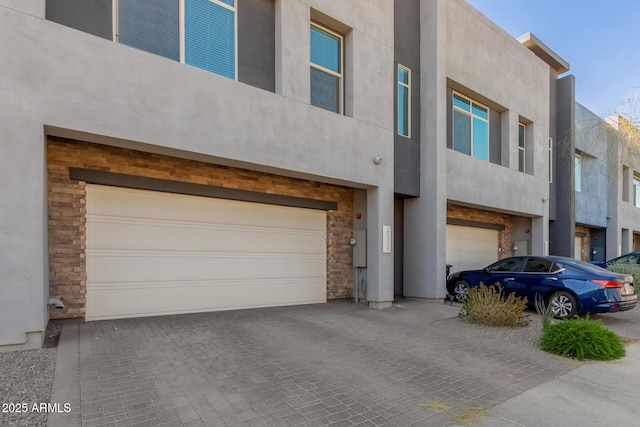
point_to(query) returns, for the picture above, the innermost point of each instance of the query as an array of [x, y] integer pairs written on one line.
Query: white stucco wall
[[59, 80]]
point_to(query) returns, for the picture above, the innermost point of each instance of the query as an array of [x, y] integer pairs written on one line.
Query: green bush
[[487, 306], [582, 338]]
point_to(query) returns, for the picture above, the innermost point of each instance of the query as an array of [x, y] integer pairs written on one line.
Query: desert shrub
[[624, 268], [488, 306], [545, 311], [582, 338]]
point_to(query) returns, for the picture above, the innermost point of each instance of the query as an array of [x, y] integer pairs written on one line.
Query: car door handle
[[509, 279], [552, 278]]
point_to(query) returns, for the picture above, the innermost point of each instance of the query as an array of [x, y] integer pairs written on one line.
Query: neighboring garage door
[[471, 248], [152, 253]]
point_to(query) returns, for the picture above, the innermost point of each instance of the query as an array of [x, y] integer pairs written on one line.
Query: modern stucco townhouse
[[606, 186], [174, 156], [474, 169], [625, 195], [594, 187]]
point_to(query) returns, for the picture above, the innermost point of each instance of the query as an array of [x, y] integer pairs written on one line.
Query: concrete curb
[[66, 383]]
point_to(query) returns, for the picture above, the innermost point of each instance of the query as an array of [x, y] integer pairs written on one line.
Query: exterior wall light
[[377, 160]]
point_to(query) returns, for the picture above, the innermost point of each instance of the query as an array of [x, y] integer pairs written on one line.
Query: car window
[[628, 259], [509, 264], [555, 267], [537, 265]]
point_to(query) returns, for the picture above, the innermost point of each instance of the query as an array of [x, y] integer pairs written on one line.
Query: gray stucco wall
[[256, 32], [69, 83], [592, 143], [562, 230], [257, 44], [625, 221], [462, 49], [407, 53], [499, 72], [92, 16]]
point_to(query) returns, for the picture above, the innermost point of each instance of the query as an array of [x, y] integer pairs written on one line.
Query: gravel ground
[[522, 335], [26, 378]]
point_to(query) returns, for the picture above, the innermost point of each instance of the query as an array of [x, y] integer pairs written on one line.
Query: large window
[[470, 127], [550, 160], [404, 101], [636, 190], [522, 148], [201, 33], [578, 172], [152, 26], [326, 69], [210, 35]]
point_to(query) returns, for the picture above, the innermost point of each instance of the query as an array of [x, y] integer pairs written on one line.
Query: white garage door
[[471, 248], [152, 253]]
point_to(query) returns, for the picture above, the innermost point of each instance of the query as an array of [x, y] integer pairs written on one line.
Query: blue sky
[[600, 40]]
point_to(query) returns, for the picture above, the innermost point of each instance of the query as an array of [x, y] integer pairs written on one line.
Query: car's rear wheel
[[460, 290], [563, 305]]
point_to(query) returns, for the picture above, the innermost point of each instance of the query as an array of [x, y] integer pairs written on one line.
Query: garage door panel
[[470, 248], [119, 202], [151, 253], [167, 266], [166, 235], [118, 300]]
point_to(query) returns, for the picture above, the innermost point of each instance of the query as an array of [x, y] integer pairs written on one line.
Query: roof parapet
[[543, 52]]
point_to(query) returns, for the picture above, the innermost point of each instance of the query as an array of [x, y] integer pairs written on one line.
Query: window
[[537, 265], [626, 180], [522, 152], [210, 35], [627, 259], [636, 191], [470, 127], [152, 26], [550, 160], [326, 69], [404, 101], [509, 264], [201, 33], [578, 172]]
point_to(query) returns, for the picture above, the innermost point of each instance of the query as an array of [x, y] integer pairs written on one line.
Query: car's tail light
[[608, 283]]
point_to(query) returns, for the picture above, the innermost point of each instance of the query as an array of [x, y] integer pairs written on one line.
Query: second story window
[[636, 190], [522, 148], [210, 36], [201, 33], [578, 172], [550, 160], [152, 26], [326, 69], [470, 127], [404, 101]]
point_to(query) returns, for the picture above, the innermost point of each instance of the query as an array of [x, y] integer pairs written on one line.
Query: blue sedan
[[568, 285], [632, 258]]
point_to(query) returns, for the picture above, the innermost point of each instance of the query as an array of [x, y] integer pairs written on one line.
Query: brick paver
[[335, 364]]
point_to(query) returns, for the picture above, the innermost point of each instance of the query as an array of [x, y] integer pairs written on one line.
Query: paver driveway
[[327, 364]]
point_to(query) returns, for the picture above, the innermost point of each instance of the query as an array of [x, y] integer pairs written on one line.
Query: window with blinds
[[326, 69], [201, 33], [210, 36], [150, 25]]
